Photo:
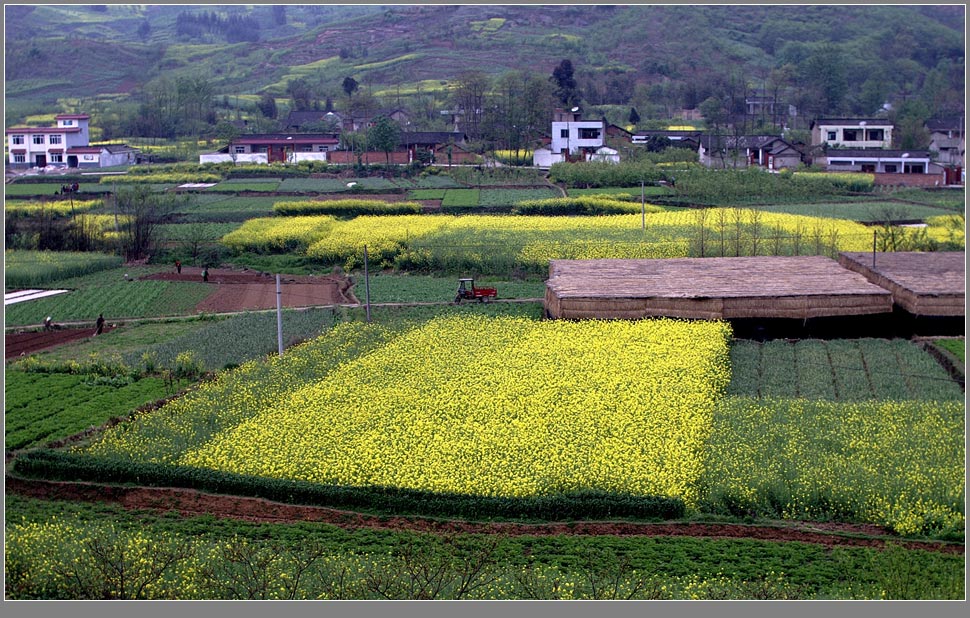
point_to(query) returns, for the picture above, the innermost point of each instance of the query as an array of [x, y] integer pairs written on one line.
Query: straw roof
[[710, 288], [927, 284]]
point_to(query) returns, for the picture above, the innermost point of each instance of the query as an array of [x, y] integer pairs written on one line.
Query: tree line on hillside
[[513, 110], [235, 28]]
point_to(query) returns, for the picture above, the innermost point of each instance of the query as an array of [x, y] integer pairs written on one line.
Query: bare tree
[[138, 213]]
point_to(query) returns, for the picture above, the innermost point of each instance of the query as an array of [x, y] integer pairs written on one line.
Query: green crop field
[[186, 232], [41, 407], [434, 182], [508, 197], [43, 268], [386, 288], [313, 185], [28, 189], [956, 346], [235, 340], [460, 198], [215, 208], [839, 370], [426, 194], [237, 185], [110, 294], [375, 564], [648, 191], [125, 339], [869, 211]]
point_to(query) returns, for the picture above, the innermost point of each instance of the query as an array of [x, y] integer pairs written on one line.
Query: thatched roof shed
[[710, 288], [924, 284]]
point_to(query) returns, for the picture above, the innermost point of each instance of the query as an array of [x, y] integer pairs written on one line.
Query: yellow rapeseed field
[[499, 407], [535, 240]]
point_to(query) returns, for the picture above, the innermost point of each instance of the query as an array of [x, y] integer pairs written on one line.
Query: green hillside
[[660, 59]]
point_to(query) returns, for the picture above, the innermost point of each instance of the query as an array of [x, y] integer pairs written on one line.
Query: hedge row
[[65, 466], [580, 205], [163, 178], [348, 208], [602, 174]]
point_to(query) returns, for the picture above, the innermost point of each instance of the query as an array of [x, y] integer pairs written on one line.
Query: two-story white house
[[575, 139], [853, 133], [43, 146], [571, 134], [65, 145]]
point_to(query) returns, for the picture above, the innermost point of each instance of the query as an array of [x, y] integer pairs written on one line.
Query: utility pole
[[643, 207], [279, 315], [366, 286]]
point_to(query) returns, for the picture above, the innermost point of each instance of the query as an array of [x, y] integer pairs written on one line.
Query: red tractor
[[468, 291]]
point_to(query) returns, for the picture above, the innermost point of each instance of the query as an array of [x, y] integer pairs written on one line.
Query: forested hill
[[824, 59]]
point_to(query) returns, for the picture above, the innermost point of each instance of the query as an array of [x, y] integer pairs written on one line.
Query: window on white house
[[890, 168], [913, 168], [840, 163], [54, 139], [19, 158], [832, 136], [57, 157], [589, 134], [851, 135], [68, 123], [17, 140], [239, 149], [564, 133], [875, 135], [39, 139]]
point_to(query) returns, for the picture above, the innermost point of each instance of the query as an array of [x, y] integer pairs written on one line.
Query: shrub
[[574, 505], [583, 205], [600, 174], [347, 208]]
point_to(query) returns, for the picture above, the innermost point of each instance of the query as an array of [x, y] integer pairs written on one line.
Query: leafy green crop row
[[580, 505], [222, 558], [839, 370], [115, 298], [346, 208], [41, 407], [33, 268], [235, 340], [583, 205]]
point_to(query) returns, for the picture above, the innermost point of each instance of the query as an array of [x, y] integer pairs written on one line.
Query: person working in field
[[178, 266], [205, 273], [48, 323], [99, 325]]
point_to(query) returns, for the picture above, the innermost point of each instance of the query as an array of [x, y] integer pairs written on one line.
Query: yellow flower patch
[[499, 407]]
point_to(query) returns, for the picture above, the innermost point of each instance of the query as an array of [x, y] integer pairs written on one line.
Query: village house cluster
[[837, 144]]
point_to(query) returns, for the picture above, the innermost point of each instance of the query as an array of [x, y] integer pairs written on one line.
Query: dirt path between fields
[[188, 503], [249, 290], [21, 344]]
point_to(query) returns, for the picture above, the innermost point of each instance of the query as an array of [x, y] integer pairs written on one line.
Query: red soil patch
[[187, 503], [18, 344], [246, 290]]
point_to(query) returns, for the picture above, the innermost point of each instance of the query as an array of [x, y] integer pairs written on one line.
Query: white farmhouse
[[852, 132], [575, 139], [43, 146], [65, 145], [572, 135]]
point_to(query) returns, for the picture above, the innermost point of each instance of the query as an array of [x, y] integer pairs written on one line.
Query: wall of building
[[227, 158], [909, 180]]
